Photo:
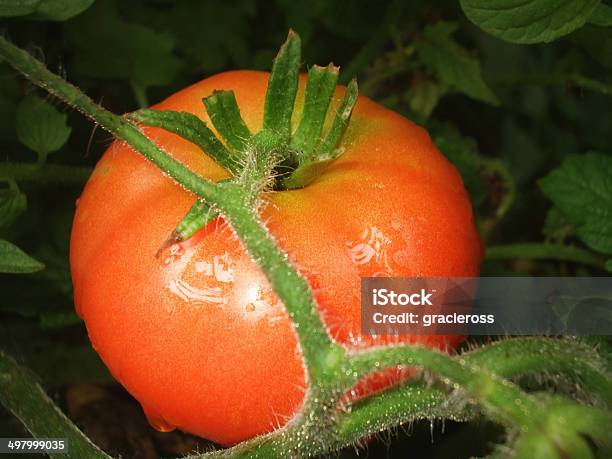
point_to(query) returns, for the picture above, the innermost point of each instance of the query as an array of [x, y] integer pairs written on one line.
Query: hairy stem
[[569, 357], [288, 284], [504, 402]]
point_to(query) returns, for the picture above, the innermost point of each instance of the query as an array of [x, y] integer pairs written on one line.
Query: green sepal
[[191, 128], [282, 87], [225, 117], [329, 149], [320, 87], [341, 121], [199, 215]]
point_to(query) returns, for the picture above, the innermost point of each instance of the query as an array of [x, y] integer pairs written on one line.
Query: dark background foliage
[[506, 114]]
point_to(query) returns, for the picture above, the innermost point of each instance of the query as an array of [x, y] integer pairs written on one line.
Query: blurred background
[[505, 114]]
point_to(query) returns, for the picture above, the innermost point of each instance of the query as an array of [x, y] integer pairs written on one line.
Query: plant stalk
[[540, 251], [44, 173]]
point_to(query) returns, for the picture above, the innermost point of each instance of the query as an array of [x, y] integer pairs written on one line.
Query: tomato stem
[[191, 128], [482, 385], [549, 357]]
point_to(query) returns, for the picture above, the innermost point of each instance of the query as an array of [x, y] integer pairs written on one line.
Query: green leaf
[[54, 10], [582, 189], [451, 63], [423, 96], [48, 292], [212, 36], [602, 16], [529, 21], [108, 47], [12, 204], [556, 225], [14, 260], [60, 10], [9, 8], [39, 125]]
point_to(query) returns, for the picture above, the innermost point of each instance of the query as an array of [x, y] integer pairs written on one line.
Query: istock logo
[[384, 297]]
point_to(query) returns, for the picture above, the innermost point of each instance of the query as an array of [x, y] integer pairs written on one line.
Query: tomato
[[197, 335]]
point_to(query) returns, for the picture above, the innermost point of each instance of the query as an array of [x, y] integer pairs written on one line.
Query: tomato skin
[[197, 335]]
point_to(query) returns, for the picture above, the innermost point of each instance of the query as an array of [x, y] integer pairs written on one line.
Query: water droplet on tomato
[[249, 307], [177, 250], [158, 422], [175, 253]]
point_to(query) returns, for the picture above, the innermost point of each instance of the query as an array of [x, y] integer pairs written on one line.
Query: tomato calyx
[[275, 158]]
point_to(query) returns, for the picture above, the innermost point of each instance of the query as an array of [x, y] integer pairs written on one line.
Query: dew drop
[[157, 422], [250, 307]]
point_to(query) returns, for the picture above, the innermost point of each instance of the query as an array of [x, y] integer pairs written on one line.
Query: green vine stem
[[503, 401], [394, 407], [22, 395], [540, 251], [569, 358], [557, 79], [543, 426], [44, 173], [331, 369]]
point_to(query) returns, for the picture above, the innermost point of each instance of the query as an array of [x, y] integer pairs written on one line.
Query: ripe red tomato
[[197, 335]]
